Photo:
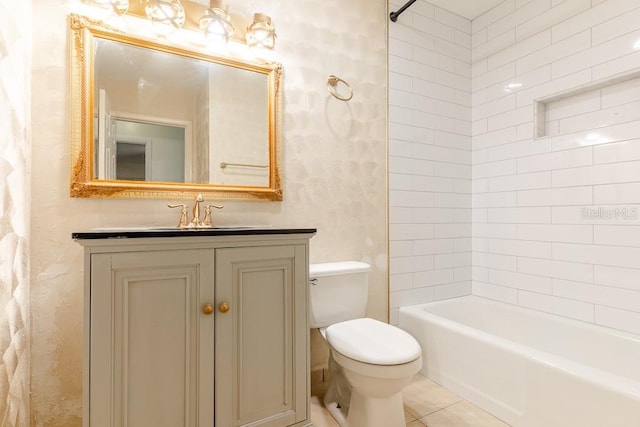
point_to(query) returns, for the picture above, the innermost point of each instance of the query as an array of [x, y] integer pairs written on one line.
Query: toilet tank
[[338, 292]]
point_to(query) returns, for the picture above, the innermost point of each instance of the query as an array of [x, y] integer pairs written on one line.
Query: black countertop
[[142, 232]]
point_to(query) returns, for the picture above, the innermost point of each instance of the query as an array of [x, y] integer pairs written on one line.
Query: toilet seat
[[372, 342]]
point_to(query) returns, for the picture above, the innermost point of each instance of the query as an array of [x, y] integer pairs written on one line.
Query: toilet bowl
[[370, 361]]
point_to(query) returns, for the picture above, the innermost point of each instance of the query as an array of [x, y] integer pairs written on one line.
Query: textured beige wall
[[334, 170], [14, 212]]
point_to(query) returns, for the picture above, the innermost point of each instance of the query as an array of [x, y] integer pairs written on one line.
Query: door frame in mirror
[[84, 30]]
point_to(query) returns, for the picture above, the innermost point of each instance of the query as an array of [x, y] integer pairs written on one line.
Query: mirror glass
[[155, 118]]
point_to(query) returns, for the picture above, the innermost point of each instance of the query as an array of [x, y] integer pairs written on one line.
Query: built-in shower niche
[[595, 105]]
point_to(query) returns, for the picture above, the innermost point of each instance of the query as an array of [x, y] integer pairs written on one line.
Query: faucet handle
[[206, 222], [184, 221]]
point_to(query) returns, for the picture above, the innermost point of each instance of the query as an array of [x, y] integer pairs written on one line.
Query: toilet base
[[351, 408], [371, 411], [337, 411], [338, 395], [367, 411]]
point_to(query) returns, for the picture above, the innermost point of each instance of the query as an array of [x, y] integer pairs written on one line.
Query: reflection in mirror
[[226, 106], [170, 120], [150, 152]]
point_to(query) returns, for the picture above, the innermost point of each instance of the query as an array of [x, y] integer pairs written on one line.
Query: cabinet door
[[151, 344], [261, 342]]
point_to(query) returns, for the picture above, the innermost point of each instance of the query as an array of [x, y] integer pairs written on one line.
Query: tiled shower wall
[[556, 220], [429, 155], [14, 212]]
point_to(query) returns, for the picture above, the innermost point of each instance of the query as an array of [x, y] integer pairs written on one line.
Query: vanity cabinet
[[197, 329]]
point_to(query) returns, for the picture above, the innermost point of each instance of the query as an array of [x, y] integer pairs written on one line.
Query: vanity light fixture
[[120, 7], [167, 15], [261, 33], [216, 22], [194, 18]]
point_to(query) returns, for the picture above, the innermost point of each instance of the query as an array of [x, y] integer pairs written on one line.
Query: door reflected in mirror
[[131, 162], [169, 119], [150, 152]]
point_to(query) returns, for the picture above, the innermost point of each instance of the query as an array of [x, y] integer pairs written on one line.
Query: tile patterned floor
[[425, 404]]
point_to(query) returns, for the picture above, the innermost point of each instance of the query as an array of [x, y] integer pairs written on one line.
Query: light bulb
[[166, 15], [261, 33], [216, 22]]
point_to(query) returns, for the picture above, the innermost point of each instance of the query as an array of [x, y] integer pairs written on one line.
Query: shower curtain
[[15, 105]]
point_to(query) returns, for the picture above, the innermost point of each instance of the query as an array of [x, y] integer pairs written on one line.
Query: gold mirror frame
[[83, 184]]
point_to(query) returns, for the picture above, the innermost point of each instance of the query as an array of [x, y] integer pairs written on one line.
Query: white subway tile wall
[[430, 154], [556, 220], [552, 223]]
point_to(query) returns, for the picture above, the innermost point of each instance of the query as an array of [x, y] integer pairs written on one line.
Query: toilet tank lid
[[332, 268]]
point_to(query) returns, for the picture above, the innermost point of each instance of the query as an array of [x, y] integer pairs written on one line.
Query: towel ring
[[332, 86]]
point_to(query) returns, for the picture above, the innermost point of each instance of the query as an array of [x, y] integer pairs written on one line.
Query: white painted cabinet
[[194, 332]]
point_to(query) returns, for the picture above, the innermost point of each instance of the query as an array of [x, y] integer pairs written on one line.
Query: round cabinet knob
[[224, 307], [207, 308]]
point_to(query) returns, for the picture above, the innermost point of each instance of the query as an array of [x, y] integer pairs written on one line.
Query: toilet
[[370, 361]]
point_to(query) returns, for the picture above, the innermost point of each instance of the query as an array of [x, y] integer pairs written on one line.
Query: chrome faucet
[[195, 221]]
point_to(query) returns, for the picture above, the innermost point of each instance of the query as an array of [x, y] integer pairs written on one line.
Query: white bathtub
[[528, 368]]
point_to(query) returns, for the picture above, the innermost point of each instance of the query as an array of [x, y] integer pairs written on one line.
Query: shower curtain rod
[[394, 15]]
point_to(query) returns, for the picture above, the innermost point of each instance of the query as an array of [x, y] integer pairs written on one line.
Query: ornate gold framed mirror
[[156, 120]]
